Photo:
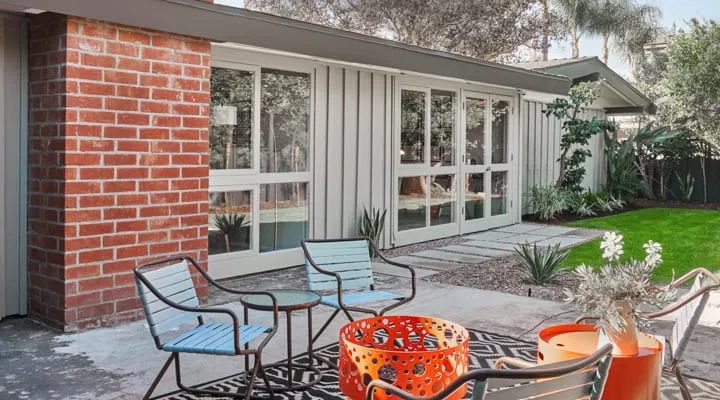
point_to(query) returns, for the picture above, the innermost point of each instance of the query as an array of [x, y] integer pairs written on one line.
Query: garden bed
[[505, 275]]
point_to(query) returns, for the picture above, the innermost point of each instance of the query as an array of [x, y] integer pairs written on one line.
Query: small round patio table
[[288, 300]]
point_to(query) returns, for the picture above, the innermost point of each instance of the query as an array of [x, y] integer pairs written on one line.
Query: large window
[[259, 142], [427, 178]]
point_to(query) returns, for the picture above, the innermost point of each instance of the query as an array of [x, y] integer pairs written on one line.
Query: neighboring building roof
[[230, 24], [622, 98]]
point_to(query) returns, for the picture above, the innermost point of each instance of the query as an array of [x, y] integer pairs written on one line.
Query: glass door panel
[[475, 117], [231, 118], [443, 110], [412, 127], [443, 199], [474, 196], [498, 193], [412, 202], [500, 124], [230, 222]]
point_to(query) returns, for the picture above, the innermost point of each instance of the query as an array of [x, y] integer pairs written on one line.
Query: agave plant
[[229, 224], [372, 225], [541, 264]]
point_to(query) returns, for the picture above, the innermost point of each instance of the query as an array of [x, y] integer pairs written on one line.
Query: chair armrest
[[581, 319], [396, 264], [692, 274], [513, 362]]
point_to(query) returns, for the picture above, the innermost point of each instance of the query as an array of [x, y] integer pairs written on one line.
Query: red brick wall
[[118, 163]]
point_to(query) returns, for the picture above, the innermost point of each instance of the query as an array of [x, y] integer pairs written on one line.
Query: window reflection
[[412, 127], [231, 94], [411, 202], [442, 133], [284, 215], [443, 194], [500, 109], [285, 121], [474, 196], [498, 186], [475, 131], [230, 221]]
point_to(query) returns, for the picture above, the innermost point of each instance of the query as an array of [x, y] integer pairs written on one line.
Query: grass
[[690, 238]]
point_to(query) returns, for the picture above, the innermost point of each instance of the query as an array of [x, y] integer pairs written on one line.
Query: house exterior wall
[[541, 150], [118, 163]]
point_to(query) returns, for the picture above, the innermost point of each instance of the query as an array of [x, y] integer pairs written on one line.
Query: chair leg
[[159, 376], [327, 323], [684, 390], [206, 392], [251, 382], [268, 386]]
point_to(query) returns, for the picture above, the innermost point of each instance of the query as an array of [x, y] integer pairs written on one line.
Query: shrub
[[546, 201], [372, 225], [541, 265], [578, 204], [229, 224]]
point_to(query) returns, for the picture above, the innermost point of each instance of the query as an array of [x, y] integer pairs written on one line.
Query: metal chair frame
[[601, 358], [703, 293], [346, 308], [240, 350]]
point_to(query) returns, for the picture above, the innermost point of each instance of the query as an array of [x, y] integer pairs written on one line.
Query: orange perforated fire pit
[[421, 355]]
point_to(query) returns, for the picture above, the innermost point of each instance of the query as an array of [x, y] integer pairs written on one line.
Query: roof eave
[[230, 24]]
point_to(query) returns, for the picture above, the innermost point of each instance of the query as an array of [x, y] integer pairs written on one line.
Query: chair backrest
[[174, 283], [687, 319], [349, 258], [585, 383]]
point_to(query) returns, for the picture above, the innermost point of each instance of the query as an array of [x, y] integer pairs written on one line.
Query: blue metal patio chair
[[174, 315], [342, 265]]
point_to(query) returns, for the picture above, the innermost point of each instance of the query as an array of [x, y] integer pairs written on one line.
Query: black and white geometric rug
[[485, 348]]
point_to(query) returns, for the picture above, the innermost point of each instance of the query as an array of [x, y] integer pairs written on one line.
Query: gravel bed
[[431, 245], [505, 275]]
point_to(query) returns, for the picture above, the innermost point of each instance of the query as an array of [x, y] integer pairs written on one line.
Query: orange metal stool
[[421, 355], [630, 377]]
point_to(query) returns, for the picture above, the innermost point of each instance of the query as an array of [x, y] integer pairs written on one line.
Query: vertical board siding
[[541, 138], [352, 136]]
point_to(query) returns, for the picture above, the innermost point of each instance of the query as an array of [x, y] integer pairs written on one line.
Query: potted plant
[[615, 292]]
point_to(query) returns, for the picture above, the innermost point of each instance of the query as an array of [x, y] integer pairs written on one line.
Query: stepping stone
[[491, 245], [586, 233], [446, 255], [479, 251], [489, 235], [564, 241], [522, 239], [520, 228], [428, 263], [553, 231], [387, 269]]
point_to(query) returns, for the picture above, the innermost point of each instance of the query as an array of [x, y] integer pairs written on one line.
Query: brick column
[[118, 163]]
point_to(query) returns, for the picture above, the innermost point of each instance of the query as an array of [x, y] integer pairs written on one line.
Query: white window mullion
[[257, 101]]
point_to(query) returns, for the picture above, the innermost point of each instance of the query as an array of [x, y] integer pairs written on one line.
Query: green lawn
[[690, 238]]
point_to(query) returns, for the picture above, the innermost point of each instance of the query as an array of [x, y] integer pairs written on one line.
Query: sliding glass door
[[259, 159]]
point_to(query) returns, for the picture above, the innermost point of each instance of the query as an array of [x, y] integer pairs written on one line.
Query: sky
[[676, 12]]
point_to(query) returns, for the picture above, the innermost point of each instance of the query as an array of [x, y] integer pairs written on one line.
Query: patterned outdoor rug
[[485, 348]]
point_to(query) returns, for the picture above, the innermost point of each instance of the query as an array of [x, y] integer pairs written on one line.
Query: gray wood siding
[[541, 149], [13, 113], [352, 139]]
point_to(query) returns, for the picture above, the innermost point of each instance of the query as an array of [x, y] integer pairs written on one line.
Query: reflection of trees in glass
[[412, 127], [442, 131], [500, 110], [231, 145], [475, 130], [285, 119]]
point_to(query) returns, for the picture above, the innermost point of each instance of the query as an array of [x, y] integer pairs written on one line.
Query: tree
[[692, 81], [484, 29], [577, 132], [629, 24], [578, 15]]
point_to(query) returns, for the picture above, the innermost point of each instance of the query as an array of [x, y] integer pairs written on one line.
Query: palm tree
[[629, 24], [578, 15]]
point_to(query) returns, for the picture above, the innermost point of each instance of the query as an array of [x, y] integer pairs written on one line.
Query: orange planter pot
[[420, 355], [630, 377]]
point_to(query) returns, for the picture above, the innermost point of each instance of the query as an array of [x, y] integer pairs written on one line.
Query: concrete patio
[[120, 362]]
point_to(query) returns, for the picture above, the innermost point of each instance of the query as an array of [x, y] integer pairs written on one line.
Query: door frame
[[459, 226]]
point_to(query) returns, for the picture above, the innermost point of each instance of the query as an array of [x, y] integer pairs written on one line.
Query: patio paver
[[428, 263], [520, 228], [480, 251], [446, 255], [554, 231], [386, 269], [491, 245], [489, 235], [564, 241], [522, 238]]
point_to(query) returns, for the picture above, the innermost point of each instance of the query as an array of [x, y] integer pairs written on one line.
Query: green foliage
[[687, 188], [229, 223], [692, 81], [541, 265], [577, 132], [372, 225], [546, 201], [579, 204]]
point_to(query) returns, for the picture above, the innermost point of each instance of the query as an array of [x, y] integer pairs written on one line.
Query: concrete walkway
[[479, 247]]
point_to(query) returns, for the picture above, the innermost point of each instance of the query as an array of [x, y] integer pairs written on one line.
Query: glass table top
[[286, 298]]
